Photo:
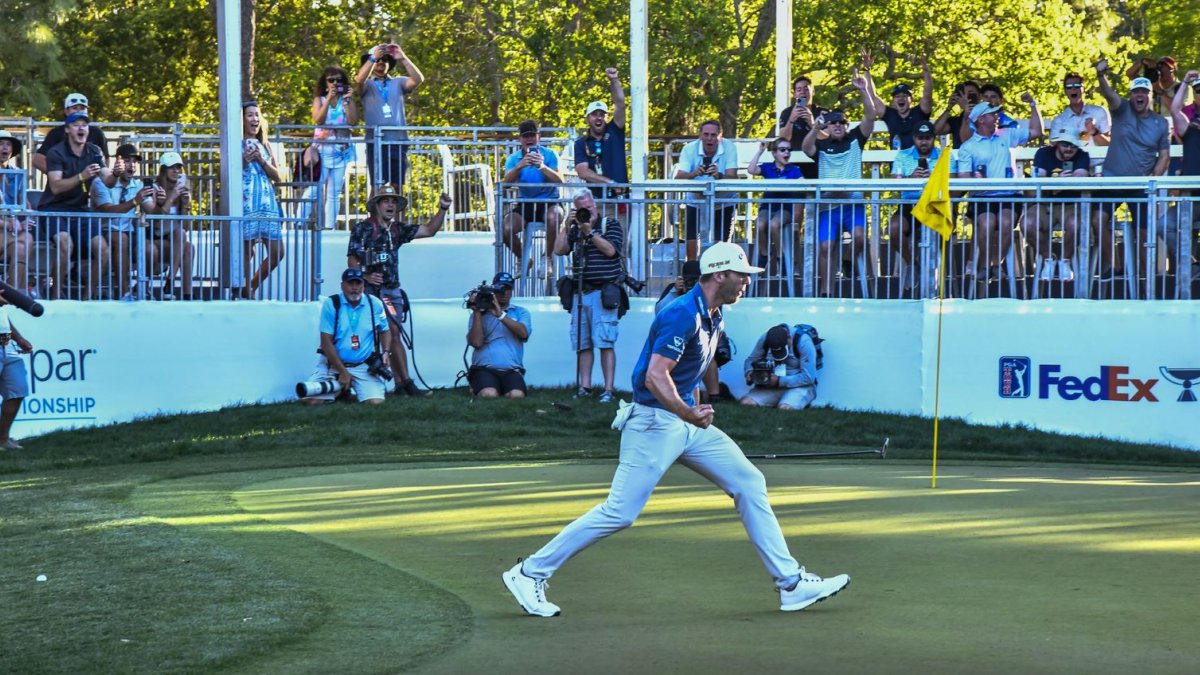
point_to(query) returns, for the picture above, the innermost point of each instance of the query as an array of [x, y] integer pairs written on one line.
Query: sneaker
[[583, 392], [810, 589], [1048, 269], [11, 444], [1064, 270], [410, 388], [607, 396], [529, 592]]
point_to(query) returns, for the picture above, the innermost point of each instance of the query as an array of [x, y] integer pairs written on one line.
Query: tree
[[32, 54]]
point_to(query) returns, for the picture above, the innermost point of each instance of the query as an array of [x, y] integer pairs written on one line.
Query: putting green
[[1001, 569]]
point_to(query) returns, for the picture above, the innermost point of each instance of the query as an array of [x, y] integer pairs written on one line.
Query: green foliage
[[495, 62]]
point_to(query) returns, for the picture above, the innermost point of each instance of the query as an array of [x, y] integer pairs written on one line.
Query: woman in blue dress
[[260, 206]]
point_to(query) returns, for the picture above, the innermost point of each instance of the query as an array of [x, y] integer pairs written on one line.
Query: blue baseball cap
[[75, 116], [503, 279], [352, 274]]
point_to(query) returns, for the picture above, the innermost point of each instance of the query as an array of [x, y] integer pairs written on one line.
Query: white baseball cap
[[726, 257], [594, 106], [1065, 136], [74, 98], [982, 109], [170, 159], [1140, 83]]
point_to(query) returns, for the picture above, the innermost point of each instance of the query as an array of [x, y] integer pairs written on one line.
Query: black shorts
[[723, 215], [503, 381], [533, 212]]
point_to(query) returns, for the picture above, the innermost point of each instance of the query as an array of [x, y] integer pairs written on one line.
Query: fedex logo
[[1110, 385]]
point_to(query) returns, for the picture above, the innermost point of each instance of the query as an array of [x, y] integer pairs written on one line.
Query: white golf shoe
[[529, 592], [810, 589]]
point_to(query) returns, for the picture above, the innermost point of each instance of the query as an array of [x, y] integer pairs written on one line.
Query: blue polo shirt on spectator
[[685, 333], [354, 321], [906, 163], [531, 174], [994, 153], [501, 349]]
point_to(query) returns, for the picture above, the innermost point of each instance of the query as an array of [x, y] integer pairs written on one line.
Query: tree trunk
[[249, 11]]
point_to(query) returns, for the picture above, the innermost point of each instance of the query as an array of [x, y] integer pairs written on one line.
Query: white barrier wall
[[1114, 369]]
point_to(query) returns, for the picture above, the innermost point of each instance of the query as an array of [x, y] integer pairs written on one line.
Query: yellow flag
[[933, 208]]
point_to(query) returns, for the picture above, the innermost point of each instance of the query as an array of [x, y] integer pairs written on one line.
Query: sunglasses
[[783, 149], [836, 122], [1076, 85], [334, 80]]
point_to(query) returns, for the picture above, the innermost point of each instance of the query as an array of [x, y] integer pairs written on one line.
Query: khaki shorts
[[797, 398]]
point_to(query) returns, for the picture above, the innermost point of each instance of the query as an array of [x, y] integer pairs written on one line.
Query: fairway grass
[[1001, 569]]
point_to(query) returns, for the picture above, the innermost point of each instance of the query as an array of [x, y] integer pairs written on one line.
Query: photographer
[[14, 380], [497, 331], [598, 270], [374, 246], [351, 322], [782, 368]]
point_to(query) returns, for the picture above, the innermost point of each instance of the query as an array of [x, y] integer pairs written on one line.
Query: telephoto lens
[[318, 388]]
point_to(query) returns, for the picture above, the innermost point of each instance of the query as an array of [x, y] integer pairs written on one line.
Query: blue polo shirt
[[531, 174], [993, 152], [354, 321], [684, 333]]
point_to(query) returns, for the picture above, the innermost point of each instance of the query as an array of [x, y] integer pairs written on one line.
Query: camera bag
[[566, 292]]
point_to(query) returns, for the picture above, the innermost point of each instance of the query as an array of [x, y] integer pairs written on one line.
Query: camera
[[1151, 74], [377, 367], [340, 90], [583, 215], [482, 298], [762, 370], [318, 388], [635, 285], [376, 260]]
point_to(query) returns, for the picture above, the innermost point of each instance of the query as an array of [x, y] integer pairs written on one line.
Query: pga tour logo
[[1014, 376]]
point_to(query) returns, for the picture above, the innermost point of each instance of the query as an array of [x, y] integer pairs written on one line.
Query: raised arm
[[435, 223], [415, 76], [1106, 90], [618, 96], [1178, 120], [926, 87], [1035, 116], [753, 169], [867, 89]]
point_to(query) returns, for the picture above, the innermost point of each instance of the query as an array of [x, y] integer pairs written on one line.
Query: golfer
[[664, 425]]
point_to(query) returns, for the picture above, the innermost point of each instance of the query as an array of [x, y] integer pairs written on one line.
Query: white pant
[[652, 440]]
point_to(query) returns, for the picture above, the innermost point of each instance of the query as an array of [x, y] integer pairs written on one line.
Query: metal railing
[[1012, 238]]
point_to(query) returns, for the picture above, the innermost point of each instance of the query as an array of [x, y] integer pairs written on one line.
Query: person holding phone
[[73, 168], [383, 106], [796, 120], [1063, 158], [171, 250], [533, 163], [915, 161], [263, 216], [123, 200], [333, 109]]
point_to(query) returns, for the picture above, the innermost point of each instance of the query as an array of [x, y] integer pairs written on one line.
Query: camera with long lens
[[635, 285], [482, 298], [318, 388], [762, 370], [377, 367]]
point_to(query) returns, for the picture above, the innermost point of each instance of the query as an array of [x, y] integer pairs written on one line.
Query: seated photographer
[[374, 246], [354, 348], [497, 331], [782, 368], [597, 273]]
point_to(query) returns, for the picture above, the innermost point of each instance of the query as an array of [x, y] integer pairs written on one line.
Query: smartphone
[[923, 163], [981, 170], [1068, 166], [801, 102]]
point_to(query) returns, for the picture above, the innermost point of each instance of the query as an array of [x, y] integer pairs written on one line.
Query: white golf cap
[[1140, 83], [726, 257], [170, 159], [74, 98], [594, 106], [1065, 136], [982, 109]]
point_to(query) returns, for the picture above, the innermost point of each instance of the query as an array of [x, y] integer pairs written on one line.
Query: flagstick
[[937, 372]]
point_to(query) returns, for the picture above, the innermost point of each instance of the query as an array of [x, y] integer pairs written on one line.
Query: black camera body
[[1151, 74], [635, 285], [377, 367], [482, 298], [377, 259], [762, 370]]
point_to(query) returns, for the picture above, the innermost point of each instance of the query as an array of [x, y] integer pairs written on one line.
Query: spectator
[[1088, 122], [796, 120], [988, 154], [1063, 158], [782, 368], [707, 158], [776, 208], [17, 239], [965, 96], [383, 106], [1188, 131], [536, 164], [598, 269], [72, 169], [840, 156], [14, 380], [498, 334], [600, 153], [352, 349], [1190, 110], [375, 246], [74, 103], [916, 161], [901, 117], [1140, 146], [260, 206], [1161, 74], [173, 252], [122, 200], [333, 151], [992, 95]]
